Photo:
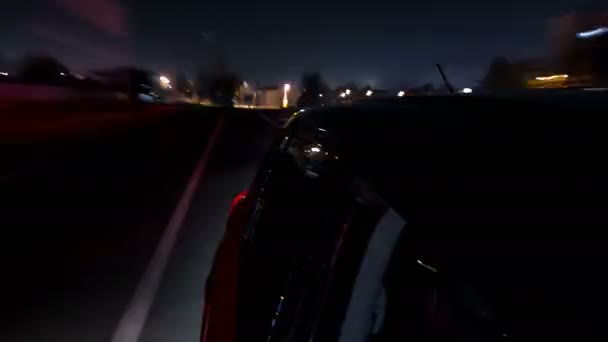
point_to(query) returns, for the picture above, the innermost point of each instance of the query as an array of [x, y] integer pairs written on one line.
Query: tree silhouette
[[202, 79], [43, 69], [502, 75], [222, 88], [428, 88], [312, 85], [218, 87], [183, 86]]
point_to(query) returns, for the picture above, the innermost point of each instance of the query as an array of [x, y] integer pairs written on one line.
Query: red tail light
[[237, 199]]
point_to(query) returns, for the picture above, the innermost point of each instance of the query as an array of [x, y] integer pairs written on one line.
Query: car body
[[450, 216]]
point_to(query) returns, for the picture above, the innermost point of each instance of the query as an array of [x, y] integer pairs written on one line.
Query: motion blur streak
[[593, 33], [106, 15], [131, 325]]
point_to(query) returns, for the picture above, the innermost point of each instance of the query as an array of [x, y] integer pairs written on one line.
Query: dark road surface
[[82, 217]]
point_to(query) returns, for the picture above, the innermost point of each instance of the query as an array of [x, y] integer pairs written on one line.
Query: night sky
[[380, 42]]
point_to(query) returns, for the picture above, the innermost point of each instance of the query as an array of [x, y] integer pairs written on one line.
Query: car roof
[[565, 98], [513, 188], [388, 141], [496, 152]]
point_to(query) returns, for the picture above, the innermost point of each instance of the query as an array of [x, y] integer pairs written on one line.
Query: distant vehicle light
[[62, 73], [369, 93], [401, 93], [467, 90], [592, 33], [320, 95], [4, 73], [552, 77], [315, 149], [347, 91], [342, 94]]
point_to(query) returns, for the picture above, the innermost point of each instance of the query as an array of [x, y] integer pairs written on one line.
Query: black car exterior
[[436, 216]]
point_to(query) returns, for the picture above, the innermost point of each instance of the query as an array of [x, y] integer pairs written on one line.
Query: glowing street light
[[369, 93], [401, 93], [165, 82], [286, 89]]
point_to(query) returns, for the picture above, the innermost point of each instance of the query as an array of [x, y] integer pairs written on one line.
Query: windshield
[[128, 126]]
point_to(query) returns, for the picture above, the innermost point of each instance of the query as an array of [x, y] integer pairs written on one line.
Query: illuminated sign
[[592, 33]]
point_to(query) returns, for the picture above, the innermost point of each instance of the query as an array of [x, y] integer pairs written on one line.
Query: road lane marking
[[131, 325]]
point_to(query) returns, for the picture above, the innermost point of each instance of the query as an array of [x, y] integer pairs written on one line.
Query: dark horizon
[[386, 45]]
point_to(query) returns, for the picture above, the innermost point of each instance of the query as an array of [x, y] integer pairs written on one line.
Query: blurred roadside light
[[552, 77], [320, 95], [369, 93], [314, 151], [342, 94], [592, 33], [286, 89], [62, 73], [401, 93], [245, 84], [467, 91], [4, 73], [428, 267], [165, 82], [347, 91]]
